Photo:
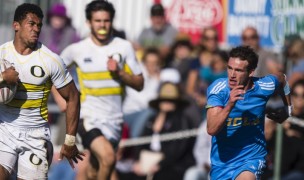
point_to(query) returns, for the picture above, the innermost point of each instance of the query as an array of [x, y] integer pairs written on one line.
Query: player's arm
[[9, 76], [71, 95], [58, 99], [284, 91], [216, 116], [134, 81]]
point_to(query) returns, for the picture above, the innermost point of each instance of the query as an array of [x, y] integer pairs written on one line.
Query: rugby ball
[[7, 92]]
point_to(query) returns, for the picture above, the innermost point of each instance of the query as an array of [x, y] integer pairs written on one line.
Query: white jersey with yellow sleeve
[[101, 90], [38, 71]]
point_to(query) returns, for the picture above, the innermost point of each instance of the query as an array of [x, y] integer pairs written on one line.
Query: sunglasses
[[297, 95], [252, 37]]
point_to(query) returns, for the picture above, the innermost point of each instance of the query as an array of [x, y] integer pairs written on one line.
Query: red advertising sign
[[191, 16]]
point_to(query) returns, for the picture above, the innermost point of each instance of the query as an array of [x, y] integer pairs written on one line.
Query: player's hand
[[236, 94], [112, 65], [10, 76], [71, 153], [278, 115]]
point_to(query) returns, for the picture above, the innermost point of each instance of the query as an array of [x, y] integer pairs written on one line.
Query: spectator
[[170, 117], [135, 107], [204, 71], [267, 59], [180, 58], [58, 32], [209, 40], [160, 35], [296, 55]]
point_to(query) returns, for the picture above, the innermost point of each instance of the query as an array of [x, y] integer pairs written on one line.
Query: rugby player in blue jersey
[[236, 113]]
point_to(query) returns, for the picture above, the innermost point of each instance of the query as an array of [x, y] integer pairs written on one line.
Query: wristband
[[286, 87], [290, 107], [70, 140]]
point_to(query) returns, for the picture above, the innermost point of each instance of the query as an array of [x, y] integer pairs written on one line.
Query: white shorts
[[111, 129], [28, 150]]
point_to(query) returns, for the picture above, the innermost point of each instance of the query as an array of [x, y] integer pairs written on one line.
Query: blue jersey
[[242, 137]]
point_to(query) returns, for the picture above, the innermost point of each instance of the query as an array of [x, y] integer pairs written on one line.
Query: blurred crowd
[[176, 76]]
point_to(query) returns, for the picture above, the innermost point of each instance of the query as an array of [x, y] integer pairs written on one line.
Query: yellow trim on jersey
[[127, 69], [34, 103], [103, 91], [26, 103], [107, 91], [98, 75], [30, 87]]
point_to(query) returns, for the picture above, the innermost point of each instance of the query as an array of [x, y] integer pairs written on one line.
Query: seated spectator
[[58, 33], [267, 59], [206, 69], [170, 117], [159, 35], [295, 54], [135, 106], [180, 58]]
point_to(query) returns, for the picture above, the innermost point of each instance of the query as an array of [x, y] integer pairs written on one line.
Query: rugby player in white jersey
[[24, 130], [105, 64]]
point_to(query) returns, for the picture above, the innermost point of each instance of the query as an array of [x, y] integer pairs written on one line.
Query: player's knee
[[107, 159]]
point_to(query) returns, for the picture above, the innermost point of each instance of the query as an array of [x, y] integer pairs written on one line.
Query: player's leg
[[102, 149], [251, 170], [246, 175]]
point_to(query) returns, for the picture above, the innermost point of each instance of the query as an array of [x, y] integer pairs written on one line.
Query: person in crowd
[[105, 65], [180, 58], [236, 115], [268, 61], [295, 54], [204, 71], [136, 104], [25, 147], [174, 156], [160, 34], [58, 32], [209, 40]]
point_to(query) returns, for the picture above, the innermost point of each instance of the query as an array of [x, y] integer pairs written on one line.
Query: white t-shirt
[[38, 71], [101, 91], [136, 101]]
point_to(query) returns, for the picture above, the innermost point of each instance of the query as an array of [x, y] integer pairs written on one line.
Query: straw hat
[[169, 92]]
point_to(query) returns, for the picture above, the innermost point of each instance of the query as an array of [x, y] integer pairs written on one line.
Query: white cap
[[170, 75]]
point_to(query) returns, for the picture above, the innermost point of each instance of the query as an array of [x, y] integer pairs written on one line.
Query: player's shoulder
[[219, 85], [46, 52], [268, 79], [84, 43], [7, 46], [267, 83], [121, 42]]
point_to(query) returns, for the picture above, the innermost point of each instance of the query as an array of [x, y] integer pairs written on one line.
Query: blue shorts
[[231, 172]]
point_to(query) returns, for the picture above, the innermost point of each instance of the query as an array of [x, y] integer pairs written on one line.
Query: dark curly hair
[[245, 53], [26, 8], [99, 5]]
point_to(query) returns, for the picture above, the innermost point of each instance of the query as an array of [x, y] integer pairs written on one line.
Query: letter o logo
[[37, 71], [35, 159]]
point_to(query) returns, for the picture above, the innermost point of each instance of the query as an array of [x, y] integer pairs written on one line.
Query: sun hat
[[169, 92]]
